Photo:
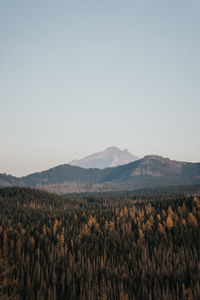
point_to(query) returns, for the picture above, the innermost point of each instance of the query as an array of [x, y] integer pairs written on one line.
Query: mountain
[[8, 180], [111, 157], [150, 171]]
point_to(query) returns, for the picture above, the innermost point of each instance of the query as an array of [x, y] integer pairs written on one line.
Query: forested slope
[[103, 247], [151, 171]]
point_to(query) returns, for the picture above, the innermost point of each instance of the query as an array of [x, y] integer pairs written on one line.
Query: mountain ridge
[[150, 171]]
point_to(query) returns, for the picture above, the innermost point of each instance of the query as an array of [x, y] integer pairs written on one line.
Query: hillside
[[150, 171], [8, 180]]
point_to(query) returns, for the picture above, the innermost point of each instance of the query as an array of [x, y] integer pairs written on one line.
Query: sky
[[79, 76]]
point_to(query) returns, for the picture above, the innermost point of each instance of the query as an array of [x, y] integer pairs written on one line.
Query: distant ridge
[[111, 157], [150, 171]]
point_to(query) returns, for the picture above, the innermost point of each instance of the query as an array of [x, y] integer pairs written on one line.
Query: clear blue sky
[[79, 76]]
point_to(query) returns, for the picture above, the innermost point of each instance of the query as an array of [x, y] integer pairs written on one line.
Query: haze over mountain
[[150, 171], [111, 157]]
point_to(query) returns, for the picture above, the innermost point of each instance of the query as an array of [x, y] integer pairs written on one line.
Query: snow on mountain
[[111, 157]]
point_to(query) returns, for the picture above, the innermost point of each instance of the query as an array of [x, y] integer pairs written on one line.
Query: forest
[[98, 246]]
